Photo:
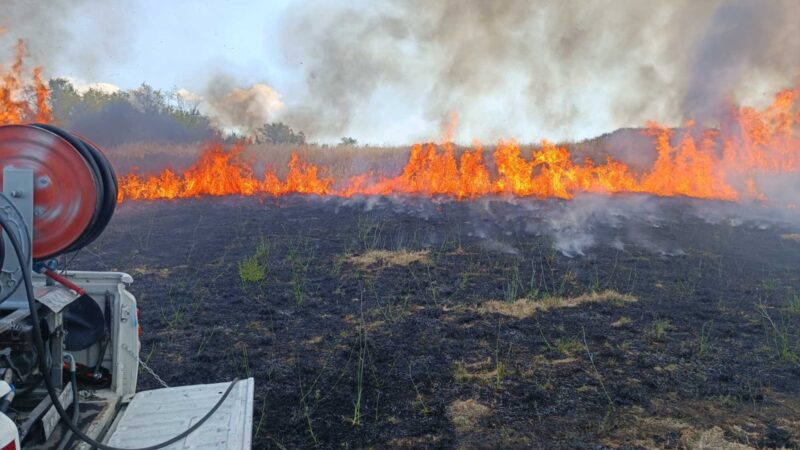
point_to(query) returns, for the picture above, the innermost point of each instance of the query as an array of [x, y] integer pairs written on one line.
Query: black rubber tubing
[[76, 412], [48, 383]]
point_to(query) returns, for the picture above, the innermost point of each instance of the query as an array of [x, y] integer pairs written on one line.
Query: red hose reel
[[75, 188]]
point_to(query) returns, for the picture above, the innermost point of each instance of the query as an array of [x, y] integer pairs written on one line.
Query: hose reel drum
[[75, 188], [59, 193]]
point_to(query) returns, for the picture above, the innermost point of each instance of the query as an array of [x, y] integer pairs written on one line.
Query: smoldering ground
[[578, 227]]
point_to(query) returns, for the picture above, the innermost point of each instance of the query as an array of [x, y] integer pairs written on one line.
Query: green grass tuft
[[253, 268]]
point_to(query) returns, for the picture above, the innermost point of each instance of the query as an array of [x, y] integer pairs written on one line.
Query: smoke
[[348, 55], [580, 227], [240, 109], [59, 31], [743, 38], [559, 69]]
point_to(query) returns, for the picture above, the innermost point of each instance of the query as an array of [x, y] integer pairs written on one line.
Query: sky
[[176, 42], [389, 72]]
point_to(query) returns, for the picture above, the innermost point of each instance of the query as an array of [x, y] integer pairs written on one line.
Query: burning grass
[[724, 164], [23, 98], [734, 162]]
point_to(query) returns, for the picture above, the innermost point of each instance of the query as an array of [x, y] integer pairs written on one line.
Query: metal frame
[[18, 191]]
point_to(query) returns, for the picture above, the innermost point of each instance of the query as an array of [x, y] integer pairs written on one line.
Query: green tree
[[280, 133], [64, 98], [140, 115]]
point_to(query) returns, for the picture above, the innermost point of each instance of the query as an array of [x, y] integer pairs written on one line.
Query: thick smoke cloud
[[517, 66], [241, 109], [743, 37]]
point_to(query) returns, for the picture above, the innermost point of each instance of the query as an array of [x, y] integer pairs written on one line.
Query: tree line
[[146, 114]]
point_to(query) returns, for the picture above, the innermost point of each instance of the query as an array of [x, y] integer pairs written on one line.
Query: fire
[[724, 163], [224, 172], [22, 102], [710, 164]]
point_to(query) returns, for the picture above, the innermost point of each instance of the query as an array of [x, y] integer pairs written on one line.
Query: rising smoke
[[516, 68], [538, 69], [239, 109], [746, 47], [59, 31], [579, 227]]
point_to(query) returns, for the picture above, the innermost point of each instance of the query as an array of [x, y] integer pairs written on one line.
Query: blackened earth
[[418, 323]]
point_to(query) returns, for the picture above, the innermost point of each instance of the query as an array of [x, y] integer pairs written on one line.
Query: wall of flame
[[724, 163]]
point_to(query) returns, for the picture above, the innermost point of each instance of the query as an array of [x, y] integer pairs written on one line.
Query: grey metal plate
[[158, 415], [55, 297]]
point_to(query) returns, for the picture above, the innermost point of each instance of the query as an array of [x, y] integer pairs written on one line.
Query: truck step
[[158, 415]]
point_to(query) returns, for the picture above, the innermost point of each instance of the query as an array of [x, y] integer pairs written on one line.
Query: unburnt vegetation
[[395, 324]]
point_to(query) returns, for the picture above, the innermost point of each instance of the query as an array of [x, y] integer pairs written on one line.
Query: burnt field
[[385, 323]]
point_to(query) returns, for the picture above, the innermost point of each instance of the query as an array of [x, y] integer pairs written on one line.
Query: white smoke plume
[[241, 109]]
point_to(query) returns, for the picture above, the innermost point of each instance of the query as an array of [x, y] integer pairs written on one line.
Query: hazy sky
[[182, 43], [393, 71]]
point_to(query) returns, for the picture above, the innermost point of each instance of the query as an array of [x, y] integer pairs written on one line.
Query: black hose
[[76, 412], [48, 383], [73, 378]]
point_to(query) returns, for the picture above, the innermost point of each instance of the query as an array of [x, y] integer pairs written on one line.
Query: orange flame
[[723, 164], [16, 104], [719, 165], [224, 172]]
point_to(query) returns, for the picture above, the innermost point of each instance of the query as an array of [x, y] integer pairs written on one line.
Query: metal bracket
[[18, 191]]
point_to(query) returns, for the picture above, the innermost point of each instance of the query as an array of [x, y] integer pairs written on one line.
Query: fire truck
[[69, 339]]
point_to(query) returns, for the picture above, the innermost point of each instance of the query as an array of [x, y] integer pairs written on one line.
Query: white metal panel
[[120, 358], [158, 415], [8, 431]]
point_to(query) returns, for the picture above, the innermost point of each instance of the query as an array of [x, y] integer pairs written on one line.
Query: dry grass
[[339, 162], [712, 438], [484, 371], [689, 437], [703, 424], [162, 272], [621, 322], [386, 258], [149, 157], [525, 307], [465, 414], [147, 149]]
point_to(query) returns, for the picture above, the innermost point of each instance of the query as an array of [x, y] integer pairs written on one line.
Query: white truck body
[[124, 418]]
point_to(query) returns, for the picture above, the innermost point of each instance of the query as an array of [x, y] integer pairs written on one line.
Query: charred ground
[[380, 323]]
